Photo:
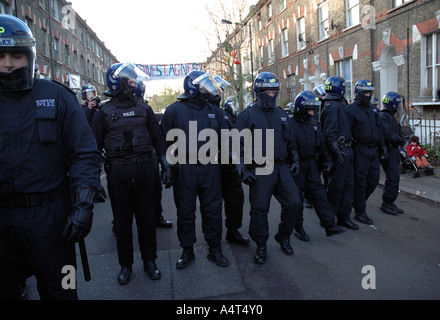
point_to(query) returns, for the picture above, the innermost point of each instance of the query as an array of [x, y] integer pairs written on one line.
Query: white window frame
[[300, 31], [352, 13], [260, 57], [54, 10], [45, 42], [323, 21], [66, 56], [4, 8], [56, 49], [292, 86], [398, 3], [284, 42], [431, 64], [269, 12], [349, 87], [283, 5], [270, 51]]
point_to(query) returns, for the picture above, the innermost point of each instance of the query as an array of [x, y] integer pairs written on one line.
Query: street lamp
[[225, 21]]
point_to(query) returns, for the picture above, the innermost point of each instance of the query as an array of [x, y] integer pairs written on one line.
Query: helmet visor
[[208, 87], [90, 94], [131, 73], [222, 83]]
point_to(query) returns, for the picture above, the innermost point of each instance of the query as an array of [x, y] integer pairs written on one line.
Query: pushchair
[[406, 161]]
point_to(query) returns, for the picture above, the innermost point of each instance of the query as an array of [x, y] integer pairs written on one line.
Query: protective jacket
[[127, 128]]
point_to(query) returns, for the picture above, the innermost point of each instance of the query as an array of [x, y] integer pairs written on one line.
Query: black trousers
[[233, 197], [310, 186], [366, 176], [391, 167], [280, 184], [133, 193], [31, 243], [159, 210], [202, 182], [340, 185]]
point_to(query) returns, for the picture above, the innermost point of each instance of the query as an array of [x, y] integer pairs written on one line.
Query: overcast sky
[[151, 32]]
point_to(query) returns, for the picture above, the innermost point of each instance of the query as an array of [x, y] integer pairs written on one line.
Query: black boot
[[397, 208], [388, 209], [186, 258], [330, 231], [301, 234], [348, 224], [215, 255], [284, 244], [162, 223], [236, 237], [152, 270], [260, 254], [124, 275], [363, 218]]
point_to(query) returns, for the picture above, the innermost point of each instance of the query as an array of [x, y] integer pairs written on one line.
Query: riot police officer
[[231, 110], [310, 143], [232, 189], [91, 101], [140, 93], [391, 103], [197, 176], [319, 91], [368, 143], [267, 116], [128, 131], [336, 128], [47, 147]]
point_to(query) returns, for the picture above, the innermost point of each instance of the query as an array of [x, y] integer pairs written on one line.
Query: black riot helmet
[[319, 91], [305, 101], [267, 89], [361, 89], [123, 78], [392, 102], [201, 85], [88, 92], [16, 38]]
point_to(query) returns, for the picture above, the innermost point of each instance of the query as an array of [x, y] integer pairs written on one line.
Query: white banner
[[169, 71]]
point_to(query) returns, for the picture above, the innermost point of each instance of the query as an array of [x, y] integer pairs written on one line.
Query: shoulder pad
[[61, 84]]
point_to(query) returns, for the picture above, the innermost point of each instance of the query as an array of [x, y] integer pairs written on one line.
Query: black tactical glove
[[340, 154], [101, 195], [167, 174], [79, 222], [245, 174], [294, 167], [384, 152], [328, 164]]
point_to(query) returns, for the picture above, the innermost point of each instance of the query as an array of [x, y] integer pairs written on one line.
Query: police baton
[[84, 260]]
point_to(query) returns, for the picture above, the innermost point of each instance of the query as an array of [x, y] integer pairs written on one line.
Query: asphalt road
[[402, 252]]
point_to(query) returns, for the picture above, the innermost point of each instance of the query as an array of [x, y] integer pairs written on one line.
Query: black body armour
[[127, 133]]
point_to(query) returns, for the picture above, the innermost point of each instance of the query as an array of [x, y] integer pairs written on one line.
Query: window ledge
[[400, 6], [351, 27], [323, 39]]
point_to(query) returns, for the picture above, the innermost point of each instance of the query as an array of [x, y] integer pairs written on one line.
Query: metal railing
[[426, 127]]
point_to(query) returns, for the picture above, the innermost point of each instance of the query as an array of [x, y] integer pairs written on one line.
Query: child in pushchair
[[417, 156]]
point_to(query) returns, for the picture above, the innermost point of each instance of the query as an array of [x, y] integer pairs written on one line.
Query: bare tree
[[226, 44]]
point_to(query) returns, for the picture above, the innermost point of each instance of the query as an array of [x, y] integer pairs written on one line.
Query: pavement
[[424, 187], [403, 249]]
